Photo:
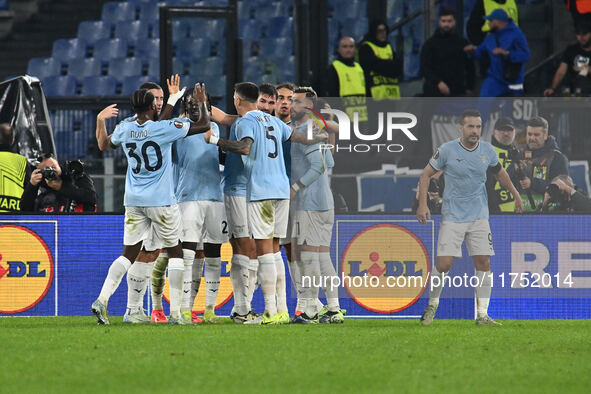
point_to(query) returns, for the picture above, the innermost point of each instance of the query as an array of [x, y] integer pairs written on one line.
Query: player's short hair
[[247, 91], [470, 113], [308, 90], [6, 135], [142, 100], [150, 86], [538, 121], [286, 85], [447, 12], [268, 90]]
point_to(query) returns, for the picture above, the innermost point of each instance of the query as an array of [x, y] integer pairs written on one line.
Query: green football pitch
[[73, 354]]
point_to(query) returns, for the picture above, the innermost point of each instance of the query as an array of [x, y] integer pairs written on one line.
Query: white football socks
[[176, 267], [268, 274], [137, 280], [327, 270], [212, 281], [186, 300], [239, 276], [158, 280], [310, 273], [296, 279], [482, 292], [117, 269], [436, 286], [280, 284], [253, 272], [196, 273]]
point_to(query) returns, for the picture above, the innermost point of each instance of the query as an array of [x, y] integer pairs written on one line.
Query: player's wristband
[[173, 98], [295, 187], [213, 140]]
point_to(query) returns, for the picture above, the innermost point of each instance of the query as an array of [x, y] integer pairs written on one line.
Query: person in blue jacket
[[505, 44]]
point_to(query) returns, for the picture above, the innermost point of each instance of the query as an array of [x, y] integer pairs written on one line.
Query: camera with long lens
[[556, 195], [49, 173]]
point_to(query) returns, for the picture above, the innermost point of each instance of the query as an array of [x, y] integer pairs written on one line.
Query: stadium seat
[[271, 10], [93, 31], [130, 30], [43, 67], [153, 66], [69, 48], [125, 67], [147, 48], [111, 48], [208, 67], [114, 12], [181, 29], [62, 143], [251, 47], [103, 85], [280, 26], [84, 67], [355, 27], [212, 28], [216, 86], [150, 12], [190, 48], [131, 84], [179, 66], [60, 85], [249, 29], [277, 48], [354, 8]]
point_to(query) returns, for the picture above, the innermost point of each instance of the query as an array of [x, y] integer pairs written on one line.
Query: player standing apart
[[464, 163]]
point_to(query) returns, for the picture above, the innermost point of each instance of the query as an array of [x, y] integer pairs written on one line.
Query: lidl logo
[[225, 293], [387, 268], [26, 269]]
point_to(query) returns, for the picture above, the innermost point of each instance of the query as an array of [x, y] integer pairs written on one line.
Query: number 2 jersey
[[150, 174], [264, 166]]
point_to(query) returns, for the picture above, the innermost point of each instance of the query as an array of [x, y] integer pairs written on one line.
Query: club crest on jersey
[[178, 124], [483, 158]]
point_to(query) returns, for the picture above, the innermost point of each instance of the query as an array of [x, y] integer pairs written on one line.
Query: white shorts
[[268, 218], [476, 234], [237, 216], [160, 226], [204, 221], [290, 221], [314, 228]]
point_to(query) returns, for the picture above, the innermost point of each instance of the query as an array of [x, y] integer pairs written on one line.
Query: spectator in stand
[[379, 61], [447, 69], [580, 10], [575, 64], [508, 51]]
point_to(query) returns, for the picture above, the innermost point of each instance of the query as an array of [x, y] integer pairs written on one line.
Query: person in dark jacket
[[62, 186], [380, 63], [506, 47], [564, 197], [540, 163], [445, 66], [477, 28]]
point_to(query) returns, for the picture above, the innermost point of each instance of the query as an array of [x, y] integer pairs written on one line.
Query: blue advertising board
[[54, 265]]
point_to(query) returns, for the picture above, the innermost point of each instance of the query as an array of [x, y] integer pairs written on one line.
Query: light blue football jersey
[[464, 196], [197, 171], [148, 148], [265, 166], [234, 176]]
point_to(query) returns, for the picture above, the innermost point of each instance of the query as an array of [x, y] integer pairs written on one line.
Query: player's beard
[[297, 115]]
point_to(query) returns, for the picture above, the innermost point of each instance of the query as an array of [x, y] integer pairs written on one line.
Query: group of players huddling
[[179, 208]]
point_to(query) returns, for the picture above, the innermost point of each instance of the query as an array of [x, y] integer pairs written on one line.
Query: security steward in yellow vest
[[499, 198], [381, 65], [477, 27], [345, 78], [14, 172]]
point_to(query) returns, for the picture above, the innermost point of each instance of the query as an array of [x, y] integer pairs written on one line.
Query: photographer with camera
[[59, 187], [563, 196], [538, 164]]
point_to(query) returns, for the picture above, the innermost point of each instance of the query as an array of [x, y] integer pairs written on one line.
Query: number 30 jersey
[[150, 175], [265, 167]]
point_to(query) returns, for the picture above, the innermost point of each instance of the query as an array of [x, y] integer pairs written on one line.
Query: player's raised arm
[[423, 212], [173, 84], [220, 117], [104, 140], [200, 116], [505, 182]]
